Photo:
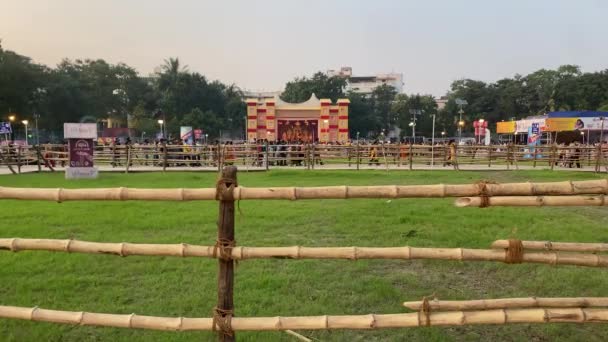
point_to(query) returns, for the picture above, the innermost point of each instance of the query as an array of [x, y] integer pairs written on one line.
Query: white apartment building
[[366, 84]]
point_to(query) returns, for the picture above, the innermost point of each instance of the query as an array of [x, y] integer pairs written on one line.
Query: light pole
[[460, 103], [36, 117], [415, 113], [12, 119], [162, 132], [25, 122]]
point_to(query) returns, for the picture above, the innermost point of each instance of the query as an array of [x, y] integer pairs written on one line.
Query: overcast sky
[[260, 45]]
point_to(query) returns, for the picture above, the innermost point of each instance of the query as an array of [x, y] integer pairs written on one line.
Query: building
[[366, 84], [315, 120], [441, 102], [260, 95]]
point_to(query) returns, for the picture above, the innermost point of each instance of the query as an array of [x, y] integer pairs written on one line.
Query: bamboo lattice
[[328, 192], [326, 322], [298, 252]]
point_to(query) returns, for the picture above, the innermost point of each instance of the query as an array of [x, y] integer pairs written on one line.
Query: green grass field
[[187, 287]]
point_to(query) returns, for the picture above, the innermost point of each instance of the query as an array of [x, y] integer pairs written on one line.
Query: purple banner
[[81, 152]]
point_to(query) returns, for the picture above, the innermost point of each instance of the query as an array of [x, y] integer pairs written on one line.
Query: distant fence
[[311, 156], [431, 312]]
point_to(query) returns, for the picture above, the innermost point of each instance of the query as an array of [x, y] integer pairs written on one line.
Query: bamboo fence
[[326, 322], [508, 303], [557, 246], [532, 201], [597, 187], [298, 252], [226, 192]]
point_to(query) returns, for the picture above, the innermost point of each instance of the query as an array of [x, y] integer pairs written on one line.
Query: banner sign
[[185, 133], [81, 146], [5, 128], [572, 124], [81, 152], [80, 130], [198, 134], [507, 127]]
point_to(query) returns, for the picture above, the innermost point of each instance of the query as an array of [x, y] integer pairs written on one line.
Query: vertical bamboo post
[[508, 158], [266, 155], [19, 159], [515, 149], [37, 149], [410, 156], [358, 154], [128, 147], [399, 155], [225, 240], [164, 156], [308, 159], [314, 156], [553, 156], [535, 154], [489, 156], [598, 157]]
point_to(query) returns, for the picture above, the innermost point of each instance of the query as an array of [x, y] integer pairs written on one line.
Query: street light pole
[[460, 103], [25, 122], [36, 116], [433, 144]]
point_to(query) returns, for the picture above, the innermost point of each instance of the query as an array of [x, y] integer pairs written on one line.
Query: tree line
[[563, 89], [95, 90]]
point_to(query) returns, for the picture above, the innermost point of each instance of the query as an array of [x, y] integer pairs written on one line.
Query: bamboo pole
[[532, 201], [509, 303], [330, 192], [326, 322], [298, 252], [225, 242], [557, 246]]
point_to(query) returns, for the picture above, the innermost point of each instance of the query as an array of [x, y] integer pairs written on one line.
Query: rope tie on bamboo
[[425, 309], [59, 195], [131, 320], [484, 193], [223, 191], [225, 247], [122, 249], [13, 245], [222, 321], [67, 245], [34, 309], [515, 252], [548, 245]]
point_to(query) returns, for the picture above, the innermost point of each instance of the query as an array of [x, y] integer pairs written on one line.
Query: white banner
[[80, 130]]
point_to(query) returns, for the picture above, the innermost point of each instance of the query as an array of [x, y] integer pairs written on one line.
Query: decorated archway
[[315, 120]]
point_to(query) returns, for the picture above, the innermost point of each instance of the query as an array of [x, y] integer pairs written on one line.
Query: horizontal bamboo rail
[[557, 246], [298, 252], [326, 322], [508, 303], [299, 193], [532, 201]]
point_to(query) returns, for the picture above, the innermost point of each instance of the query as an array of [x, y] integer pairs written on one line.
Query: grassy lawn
[[187, 287]]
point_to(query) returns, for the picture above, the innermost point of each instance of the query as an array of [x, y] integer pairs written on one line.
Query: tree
[[323, 86], [381, 100]]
